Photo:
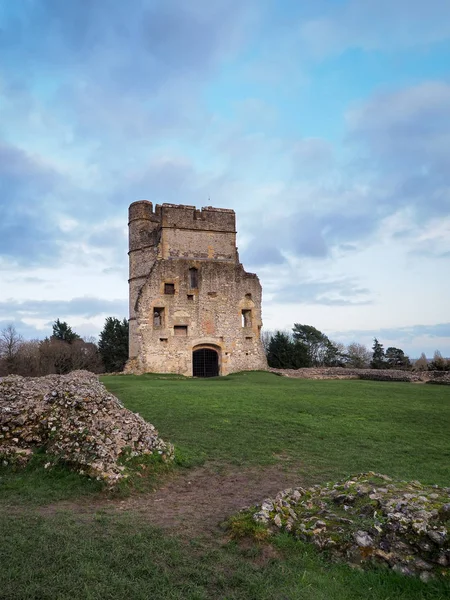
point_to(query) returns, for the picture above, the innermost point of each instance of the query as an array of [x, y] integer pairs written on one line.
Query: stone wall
[[373, 374], [167, 325]]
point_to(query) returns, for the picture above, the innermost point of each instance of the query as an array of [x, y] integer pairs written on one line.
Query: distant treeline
[[64, 350], [306, 346]]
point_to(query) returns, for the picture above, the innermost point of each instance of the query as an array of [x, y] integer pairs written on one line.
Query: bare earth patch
[[194, 501]]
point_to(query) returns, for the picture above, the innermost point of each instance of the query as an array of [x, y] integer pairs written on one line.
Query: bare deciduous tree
[[358, 356], [421, 363], [10, 342]]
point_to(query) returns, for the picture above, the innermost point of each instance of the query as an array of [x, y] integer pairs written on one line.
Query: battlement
[[183, 216]]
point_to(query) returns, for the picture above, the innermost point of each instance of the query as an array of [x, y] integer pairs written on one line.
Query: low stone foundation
[[369, 518], [439, 377]]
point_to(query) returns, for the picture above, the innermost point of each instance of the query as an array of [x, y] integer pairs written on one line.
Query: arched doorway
[[205, 362]]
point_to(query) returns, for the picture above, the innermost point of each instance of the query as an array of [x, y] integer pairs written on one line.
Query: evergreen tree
[[397, 359], [62, 331], [378, 357], [285, 353], [321, 350], [113, 344]]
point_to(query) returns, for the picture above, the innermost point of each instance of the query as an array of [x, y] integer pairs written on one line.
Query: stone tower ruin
[[193, 308]]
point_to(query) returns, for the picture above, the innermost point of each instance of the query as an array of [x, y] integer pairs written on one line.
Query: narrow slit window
[[169, 288], [193, 278], [246, 318], [158, 317], [180, 330]]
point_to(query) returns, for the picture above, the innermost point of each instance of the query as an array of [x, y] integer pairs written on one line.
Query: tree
[[10, 342], [55, 356], [266, 336], [378, 357], [113, 344], [62, 331], [285, 353], [28, 359], [438, 363], [334, 355], [321, 351], [58, 356], [397, 359], [421, 363], [357, 356]]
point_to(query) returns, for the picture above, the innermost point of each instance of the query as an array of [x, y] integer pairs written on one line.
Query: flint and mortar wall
[[164, 245], [442, 377]]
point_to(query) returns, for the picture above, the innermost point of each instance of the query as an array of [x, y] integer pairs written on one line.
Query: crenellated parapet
[[183, 216]]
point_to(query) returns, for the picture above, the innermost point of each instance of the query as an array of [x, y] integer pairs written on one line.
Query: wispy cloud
[[87, 307]]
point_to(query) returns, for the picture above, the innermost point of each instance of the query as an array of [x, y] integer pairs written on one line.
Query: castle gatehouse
[[194, 310]]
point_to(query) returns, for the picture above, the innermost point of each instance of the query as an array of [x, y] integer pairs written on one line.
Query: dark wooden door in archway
[[205, 363]]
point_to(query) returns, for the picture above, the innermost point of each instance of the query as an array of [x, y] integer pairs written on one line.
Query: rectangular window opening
[[169, 288], [158, 316], [190, 297], [163, 340], [246, 318], [180, 330], [193, 278]]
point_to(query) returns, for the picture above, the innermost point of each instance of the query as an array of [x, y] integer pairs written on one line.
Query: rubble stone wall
[[373, 374]]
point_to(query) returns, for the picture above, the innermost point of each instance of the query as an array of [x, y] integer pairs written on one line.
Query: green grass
[[329, 428], [34, 484], [119, 558], [325, 429]]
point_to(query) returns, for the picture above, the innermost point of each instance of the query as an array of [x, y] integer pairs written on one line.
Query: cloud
[[408, 129], [115, 71], [439, 330], [261, 253], [376, 25], [312, 156], [28, 232], [404, 137], [315, 234], [87, 307], [342, 292], [25, 330], [413, 340], [173, 34]]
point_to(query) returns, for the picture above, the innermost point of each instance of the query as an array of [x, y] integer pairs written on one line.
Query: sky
[[325, 124]]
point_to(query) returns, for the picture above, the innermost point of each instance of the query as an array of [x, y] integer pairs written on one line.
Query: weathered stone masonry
[[189, 292]]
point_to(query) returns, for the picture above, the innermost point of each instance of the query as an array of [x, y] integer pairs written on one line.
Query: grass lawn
[[329, 428], [321, 429]]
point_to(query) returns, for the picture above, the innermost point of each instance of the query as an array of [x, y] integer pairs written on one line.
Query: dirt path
[[195, 501]]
